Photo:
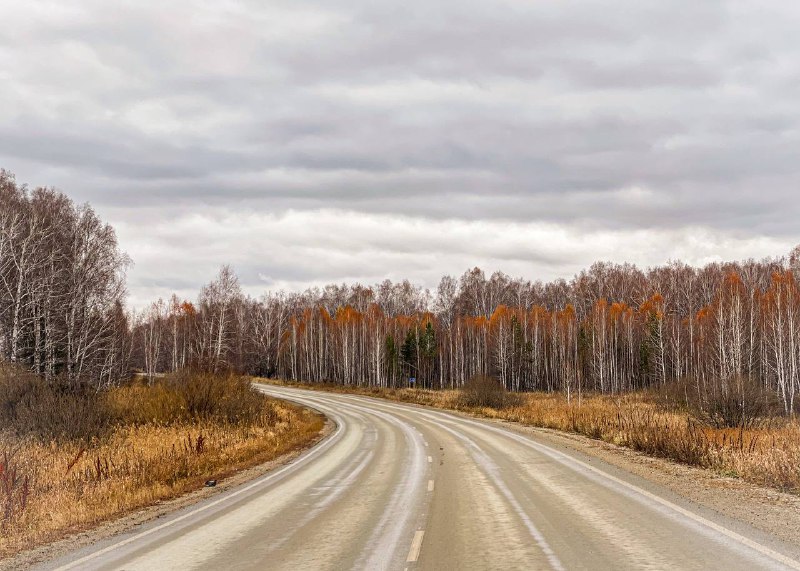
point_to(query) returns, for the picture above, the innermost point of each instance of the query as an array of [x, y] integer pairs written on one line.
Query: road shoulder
[[768, 510], [772, 512], [129, 521]]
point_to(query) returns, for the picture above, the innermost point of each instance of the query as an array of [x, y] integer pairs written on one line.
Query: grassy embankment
[[766, 453], [71, 459]]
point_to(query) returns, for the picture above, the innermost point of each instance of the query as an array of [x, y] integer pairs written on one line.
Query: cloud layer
[[325, 141]]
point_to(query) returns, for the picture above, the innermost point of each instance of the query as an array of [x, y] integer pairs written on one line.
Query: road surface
[[402, 487]]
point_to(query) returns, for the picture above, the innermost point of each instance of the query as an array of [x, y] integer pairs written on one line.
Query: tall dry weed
[[160, 442]]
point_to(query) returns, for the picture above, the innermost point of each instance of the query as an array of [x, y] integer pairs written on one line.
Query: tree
[[216, 318], [62, 283]]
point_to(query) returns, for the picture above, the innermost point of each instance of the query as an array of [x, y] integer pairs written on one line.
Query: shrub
[[187, 396], [483, 391], [744, 404], [225, 397], [139, 404], [30, 406]]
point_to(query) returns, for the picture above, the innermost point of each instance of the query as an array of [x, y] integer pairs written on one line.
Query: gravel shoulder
[[768, 510]]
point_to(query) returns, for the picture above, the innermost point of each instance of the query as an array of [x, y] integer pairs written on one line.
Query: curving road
[[403, 487]]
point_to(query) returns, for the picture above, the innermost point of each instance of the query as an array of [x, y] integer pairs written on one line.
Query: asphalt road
[[402, 487]]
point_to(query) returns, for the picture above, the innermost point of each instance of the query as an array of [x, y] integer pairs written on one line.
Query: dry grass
[[768, 454], [64, 486]]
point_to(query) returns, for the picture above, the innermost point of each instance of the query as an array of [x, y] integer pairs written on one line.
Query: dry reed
[[65, 486]]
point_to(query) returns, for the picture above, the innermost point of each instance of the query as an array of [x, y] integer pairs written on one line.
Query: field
[[768, 453], [156, 444]]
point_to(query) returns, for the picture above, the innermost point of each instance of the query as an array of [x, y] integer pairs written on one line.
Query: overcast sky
[[314, 142]]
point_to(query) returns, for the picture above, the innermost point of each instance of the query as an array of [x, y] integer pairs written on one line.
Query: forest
[[726, 330]]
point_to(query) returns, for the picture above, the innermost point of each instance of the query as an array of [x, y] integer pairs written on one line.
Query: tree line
[[611, 329], [719, 329], [62, 287]]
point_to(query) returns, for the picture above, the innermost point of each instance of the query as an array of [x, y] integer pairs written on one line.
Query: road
[[402, 487]]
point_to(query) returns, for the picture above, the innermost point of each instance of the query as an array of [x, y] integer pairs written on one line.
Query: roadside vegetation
[[71, 457], [697, 364], [762, 449]]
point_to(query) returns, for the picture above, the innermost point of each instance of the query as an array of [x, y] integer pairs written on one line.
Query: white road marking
[[493, 472], [303, 460], [430, 485], [382, 546], [599, 475], [416, 546], [569, 461], [648, 499]]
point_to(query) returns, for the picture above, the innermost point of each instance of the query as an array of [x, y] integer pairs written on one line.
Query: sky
[[337, 141]]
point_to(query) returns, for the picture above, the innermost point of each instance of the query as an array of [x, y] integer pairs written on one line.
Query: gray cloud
[[445, 121]]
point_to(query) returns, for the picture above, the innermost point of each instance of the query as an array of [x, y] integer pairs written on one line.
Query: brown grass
[[61, 486], [767, 454]]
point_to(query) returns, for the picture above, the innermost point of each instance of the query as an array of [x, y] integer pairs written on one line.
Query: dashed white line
[[493, 472], [570, 462], [430, 459], [430, 485], [416, 545]]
